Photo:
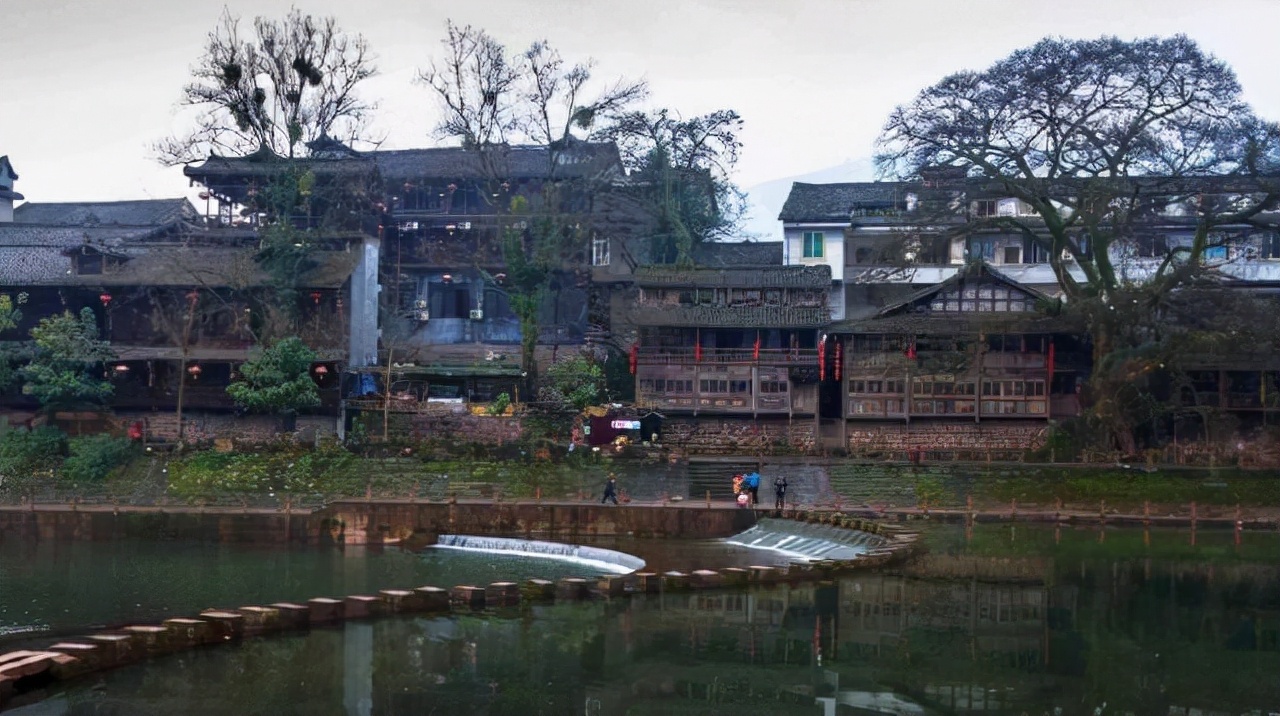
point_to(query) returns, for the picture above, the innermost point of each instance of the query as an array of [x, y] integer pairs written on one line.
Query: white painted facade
[[793, 254]]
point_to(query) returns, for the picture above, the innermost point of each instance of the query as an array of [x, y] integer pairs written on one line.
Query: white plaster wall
[[833, 240]]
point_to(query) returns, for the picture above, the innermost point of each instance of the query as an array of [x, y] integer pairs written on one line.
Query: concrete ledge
[[468, 596], [226, 625], [538, 590], [185, 633], [325, 610], [401, 600], [293, 616], [260, 619], [572, 589], [150, 640], [502, 594], [434, 599], [362, 606]]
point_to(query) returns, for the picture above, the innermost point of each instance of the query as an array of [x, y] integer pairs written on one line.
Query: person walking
[[753, 486], [610, 490], [780, 492]]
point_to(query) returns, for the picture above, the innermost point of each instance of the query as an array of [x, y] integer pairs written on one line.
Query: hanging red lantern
[[911, 350], [322, 370], [315, 297], [194, 370], [822, 358], [105, 298], [634, 359]]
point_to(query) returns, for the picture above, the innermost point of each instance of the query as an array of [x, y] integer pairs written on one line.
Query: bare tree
[[491, 97], [681, 172], [1098, 139], [292, 82]]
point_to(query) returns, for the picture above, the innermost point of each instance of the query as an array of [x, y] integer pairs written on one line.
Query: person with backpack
[[780, 493], [753, 486]]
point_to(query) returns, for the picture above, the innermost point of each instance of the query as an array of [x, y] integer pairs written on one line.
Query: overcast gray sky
[[86, 85]]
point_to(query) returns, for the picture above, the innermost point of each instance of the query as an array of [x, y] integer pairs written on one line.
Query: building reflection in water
[[946, 634]]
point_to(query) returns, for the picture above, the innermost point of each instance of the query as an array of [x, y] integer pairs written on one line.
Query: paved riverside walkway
[[1251, 518]]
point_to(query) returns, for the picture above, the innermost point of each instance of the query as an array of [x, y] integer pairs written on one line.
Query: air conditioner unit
[[423, 316], [477, 314], [420, 304]]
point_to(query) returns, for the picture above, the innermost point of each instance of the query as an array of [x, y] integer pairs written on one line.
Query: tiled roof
[[727, 254], [821, 203], [506, 161], [144, 212], [33, 255]]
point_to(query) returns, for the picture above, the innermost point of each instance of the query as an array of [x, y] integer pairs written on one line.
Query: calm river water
[[1004, 620]]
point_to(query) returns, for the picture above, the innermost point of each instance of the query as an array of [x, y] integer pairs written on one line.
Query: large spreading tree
[[1099, 138], [278, 87]]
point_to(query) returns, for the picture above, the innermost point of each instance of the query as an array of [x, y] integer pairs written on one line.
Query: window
[[89, 264], [813, 244], [599, 251], [985, 207], [1013, 254]]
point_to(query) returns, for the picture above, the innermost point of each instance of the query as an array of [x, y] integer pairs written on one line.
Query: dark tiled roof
[[144, 212], [513, 162], [728, 254], [34, 255], [4, 162], [819, 203]]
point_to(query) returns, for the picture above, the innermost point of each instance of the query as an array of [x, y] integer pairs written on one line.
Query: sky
[[86, 86]]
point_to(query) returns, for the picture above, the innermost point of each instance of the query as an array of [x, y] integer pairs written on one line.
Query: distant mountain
[[764, 201]]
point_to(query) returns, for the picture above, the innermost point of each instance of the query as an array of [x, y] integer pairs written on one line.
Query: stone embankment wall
[[25, 674], [740, 436], [990, 440], [375, 522]]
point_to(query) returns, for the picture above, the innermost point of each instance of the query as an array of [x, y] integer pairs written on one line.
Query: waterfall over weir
[[805, 541], [605, 560]]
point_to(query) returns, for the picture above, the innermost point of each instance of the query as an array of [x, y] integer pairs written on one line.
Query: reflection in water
[[60, 587], [994, 626]]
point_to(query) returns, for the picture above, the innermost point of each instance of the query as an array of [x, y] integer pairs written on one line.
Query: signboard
[[625, 424]]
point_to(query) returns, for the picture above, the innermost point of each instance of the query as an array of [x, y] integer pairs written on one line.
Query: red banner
[[822, 358], [635, 357], [839, 358]]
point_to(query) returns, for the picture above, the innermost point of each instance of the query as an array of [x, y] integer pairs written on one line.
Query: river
[[1005, 619]]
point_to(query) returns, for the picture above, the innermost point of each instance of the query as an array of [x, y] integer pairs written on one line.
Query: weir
[[603, 559], [807, 541]]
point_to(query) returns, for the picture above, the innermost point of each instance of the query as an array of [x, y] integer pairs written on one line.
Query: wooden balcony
[[731, 316], [726, 356], [810, 277]]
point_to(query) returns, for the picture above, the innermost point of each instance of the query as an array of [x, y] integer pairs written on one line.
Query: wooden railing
[[686, 356], [732, 316]]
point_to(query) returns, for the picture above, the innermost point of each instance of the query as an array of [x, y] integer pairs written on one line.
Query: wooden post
[[708, 498]]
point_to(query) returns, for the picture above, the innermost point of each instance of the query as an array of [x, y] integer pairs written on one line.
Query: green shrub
[[94, 457], [500, 404], [26, 455]]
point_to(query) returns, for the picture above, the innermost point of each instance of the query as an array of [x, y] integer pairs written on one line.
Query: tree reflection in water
[[1010, 622]]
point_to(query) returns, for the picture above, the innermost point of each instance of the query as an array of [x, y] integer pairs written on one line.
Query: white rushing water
[[804, 541], [605, 560]]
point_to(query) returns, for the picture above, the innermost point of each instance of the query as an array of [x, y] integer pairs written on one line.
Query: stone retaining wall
[[740, 436], [23, 674], [990, 440]]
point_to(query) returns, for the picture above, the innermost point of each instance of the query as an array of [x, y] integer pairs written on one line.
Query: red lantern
[[321, 370], [315, 297], [635, 357], [105, 298], [194, 370], [911, 350], [822, 358]]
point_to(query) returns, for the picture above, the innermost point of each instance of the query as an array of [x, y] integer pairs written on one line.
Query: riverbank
[[301, 478]]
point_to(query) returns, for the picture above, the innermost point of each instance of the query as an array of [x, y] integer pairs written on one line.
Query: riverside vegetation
[[45, 464]]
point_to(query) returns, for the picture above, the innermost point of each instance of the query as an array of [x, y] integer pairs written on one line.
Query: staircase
[[716, 476]]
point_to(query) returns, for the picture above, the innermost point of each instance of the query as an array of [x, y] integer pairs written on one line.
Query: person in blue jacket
[[753, 484]]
